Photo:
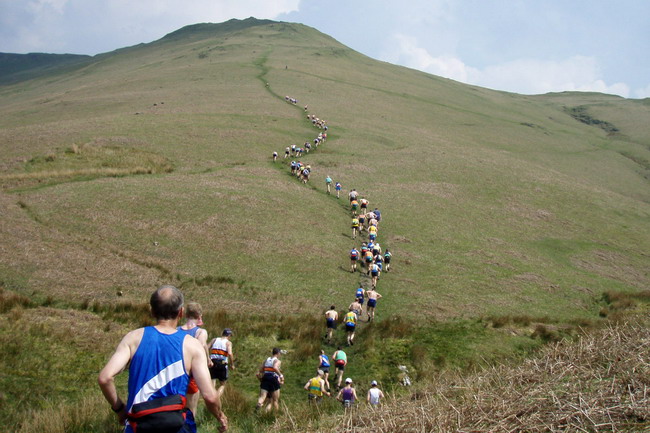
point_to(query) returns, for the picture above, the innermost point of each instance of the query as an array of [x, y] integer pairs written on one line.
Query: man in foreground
[[161, 359]]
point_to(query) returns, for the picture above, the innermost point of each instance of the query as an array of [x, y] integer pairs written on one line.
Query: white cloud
[[93, 26], [528, 76], [404, 50], [643, 92]]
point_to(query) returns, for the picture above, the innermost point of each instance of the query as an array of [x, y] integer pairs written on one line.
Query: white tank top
[[219, 344], [374, 395]]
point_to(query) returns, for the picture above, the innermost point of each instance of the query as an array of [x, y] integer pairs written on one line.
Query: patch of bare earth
[[610, 264], [61, 265]]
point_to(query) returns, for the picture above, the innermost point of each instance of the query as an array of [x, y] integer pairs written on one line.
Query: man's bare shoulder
[[192, 344], [133, 337]]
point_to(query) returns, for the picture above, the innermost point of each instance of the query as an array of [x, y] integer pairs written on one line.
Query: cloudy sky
[[523, 46]]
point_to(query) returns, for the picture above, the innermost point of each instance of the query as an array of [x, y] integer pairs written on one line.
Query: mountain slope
[[472, 179], [152, 164]]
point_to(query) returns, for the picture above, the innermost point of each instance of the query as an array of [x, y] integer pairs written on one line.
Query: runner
[[340, 361], [316, 388], [275, 156], [364, 205], [354, 257], [220, 354], [337, 187], [362, 221], [152, 352], [328, 183], [350, 321], [347, 395], [372, 233], [374, 394], [354, 205], [355, 227], [271, 379], [353, 195], [372, 296], [194, 320], [377, 214], [360, 295], [356, 307], [387, 257], [367, 258], [324, 364], [373, 271], [331, 316], [286, 152]]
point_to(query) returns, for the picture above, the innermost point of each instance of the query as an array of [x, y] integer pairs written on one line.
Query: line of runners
[[186, 365]]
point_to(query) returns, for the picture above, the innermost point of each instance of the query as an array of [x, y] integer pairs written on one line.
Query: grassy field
[[152, 165]]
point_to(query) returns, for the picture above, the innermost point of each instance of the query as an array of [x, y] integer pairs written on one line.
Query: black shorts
[[219, 371], [340, 365], [330, 323], [350, 328], [270, 382], [324, 369]]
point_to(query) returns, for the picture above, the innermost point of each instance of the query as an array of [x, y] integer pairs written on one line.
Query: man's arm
[[230, 355], [115, 366], [202, 336], [201, 374], [207, 352], [322, 388]]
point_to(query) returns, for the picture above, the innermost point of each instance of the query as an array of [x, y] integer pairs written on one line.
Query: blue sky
[[523, 46]]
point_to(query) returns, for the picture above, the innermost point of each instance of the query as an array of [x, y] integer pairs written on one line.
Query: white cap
[[373, 383], [348, 380]]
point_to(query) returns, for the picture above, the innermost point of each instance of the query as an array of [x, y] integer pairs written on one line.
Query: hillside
[[152, 165], [21, 67]]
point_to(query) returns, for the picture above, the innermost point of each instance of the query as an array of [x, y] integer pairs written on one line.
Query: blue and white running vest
[[157, 368]]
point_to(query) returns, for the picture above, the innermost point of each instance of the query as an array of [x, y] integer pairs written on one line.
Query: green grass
[[152, 165]]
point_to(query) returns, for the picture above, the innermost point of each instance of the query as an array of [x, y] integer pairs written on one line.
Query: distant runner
[[353, 195], [364, 204], [354, 257], [355, 227], [356, 307], [374, 394], [374, 275], [331, 316], [354, 205], [360, 294], [271, 379], [316, 388], [324, 364], [350, 321], [328, 183], [387, 257], [372, 296], [337, 187], [347, 395], [340, 361], [219, 357]]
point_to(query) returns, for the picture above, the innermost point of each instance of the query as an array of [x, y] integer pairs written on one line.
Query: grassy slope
[[494, 203]]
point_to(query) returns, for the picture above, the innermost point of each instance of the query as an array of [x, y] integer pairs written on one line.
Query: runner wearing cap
[[347, 395], [219, 354], [374, 394]]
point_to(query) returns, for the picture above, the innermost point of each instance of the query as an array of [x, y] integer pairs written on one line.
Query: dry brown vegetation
[[600, 382]]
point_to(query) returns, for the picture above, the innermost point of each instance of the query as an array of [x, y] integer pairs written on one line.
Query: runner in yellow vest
[[350, 321], [316, 388]]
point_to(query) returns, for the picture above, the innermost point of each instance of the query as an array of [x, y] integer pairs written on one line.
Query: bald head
[[166, 302]]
